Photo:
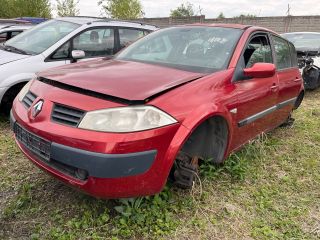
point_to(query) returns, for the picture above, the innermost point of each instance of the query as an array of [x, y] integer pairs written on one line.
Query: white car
[[9, 32], [58, 42], [307, 45]]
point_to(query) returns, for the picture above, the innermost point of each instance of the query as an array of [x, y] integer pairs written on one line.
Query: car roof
[[12, 21], [232, 25], [16, 27], [293, 33], [224, 25], [82, 20]]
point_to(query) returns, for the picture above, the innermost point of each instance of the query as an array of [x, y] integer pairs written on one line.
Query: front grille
[[28, 99], [66, 115], [37, 145]]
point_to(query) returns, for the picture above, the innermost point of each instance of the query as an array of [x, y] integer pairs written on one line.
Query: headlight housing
[[24, 91], [126, 119]]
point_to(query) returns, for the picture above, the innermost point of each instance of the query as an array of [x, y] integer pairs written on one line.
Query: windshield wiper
[[14, 49]]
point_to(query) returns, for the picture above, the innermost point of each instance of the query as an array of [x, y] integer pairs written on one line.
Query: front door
[[95, 42], [257, 97]]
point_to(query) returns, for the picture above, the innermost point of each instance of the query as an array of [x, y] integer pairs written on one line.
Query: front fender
[[188, 126], [16, 79]]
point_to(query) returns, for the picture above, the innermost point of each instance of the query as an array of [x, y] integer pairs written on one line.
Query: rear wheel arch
[[299, 100]]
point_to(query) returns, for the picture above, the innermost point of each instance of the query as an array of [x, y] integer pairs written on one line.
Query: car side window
[[3, 37], [282, 51], [63, 52], [128, 36], [294, 57], [15, 33], [257, 51], [95, 42]]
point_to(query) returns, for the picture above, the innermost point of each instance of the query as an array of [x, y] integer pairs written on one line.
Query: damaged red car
[[121, 127]]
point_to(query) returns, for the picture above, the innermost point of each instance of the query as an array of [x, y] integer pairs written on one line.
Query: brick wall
[[278, 24]]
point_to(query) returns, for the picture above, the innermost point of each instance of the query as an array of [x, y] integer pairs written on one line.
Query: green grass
[[268, 190]]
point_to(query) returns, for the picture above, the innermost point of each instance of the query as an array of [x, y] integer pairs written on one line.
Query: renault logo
[[36, 109]]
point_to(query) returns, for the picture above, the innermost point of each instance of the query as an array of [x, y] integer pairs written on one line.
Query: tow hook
[[186, 170]]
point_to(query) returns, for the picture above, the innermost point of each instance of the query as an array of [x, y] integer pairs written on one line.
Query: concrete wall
[[278, 24]]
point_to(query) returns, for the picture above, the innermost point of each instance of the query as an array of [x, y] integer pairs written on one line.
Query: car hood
[[128, 80], [7, 57]]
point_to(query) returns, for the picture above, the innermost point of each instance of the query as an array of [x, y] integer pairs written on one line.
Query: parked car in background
[[118, 128], [308, 52], [58, 42], [33, 20], [9, 32], [12, 22]]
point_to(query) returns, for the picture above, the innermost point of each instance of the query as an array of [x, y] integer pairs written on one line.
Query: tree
[[122, 9], [246, 16], [67, 8], [25, 8], [221, 16], [184, 10]]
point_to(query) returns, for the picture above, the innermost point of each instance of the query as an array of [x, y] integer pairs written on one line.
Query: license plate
[[37, 145]]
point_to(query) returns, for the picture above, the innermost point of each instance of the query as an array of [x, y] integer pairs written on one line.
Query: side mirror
[[77, 54], [260, 70]]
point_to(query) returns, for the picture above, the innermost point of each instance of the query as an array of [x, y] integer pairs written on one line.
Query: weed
[[268, 190], [146, 216], [21, 203]]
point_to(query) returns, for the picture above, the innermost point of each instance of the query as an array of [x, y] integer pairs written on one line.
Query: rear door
[[290, 79], [257, 97]]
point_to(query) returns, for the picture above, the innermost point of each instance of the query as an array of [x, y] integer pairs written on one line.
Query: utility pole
[[200, 10], [288, 11]]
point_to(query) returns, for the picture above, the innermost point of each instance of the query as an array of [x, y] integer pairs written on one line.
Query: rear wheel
[[289, 122]]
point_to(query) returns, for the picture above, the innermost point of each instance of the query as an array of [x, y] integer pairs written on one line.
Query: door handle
[[297, 79], [274, 87]]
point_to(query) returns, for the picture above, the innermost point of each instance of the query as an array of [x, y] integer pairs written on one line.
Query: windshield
[[304, 41], [195, 49], [41, 37]]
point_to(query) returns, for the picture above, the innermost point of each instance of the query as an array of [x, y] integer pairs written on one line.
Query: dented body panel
[[248, 107]]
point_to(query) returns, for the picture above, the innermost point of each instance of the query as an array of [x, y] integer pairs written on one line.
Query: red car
[[120, 127]]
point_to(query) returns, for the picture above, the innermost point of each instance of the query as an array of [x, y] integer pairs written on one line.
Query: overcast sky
[[212, 8]]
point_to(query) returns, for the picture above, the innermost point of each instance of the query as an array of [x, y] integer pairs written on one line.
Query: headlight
[[24, 91], [126, 119]]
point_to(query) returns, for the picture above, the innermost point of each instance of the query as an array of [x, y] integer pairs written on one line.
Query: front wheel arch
[[9, 96], [209, 140]]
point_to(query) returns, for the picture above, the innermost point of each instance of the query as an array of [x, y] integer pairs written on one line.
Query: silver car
[[58, 42], [9, 32]]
